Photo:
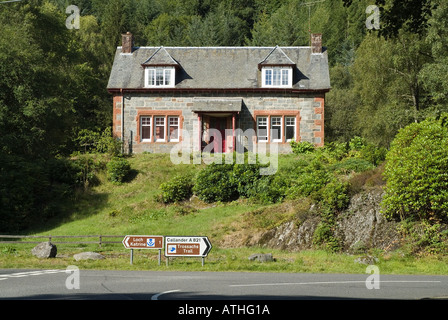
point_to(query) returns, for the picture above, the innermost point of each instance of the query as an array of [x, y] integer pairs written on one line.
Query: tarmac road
[[165, 285]]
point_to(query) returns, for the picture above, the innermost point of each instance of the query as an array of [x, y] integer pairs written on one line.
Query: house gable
[[160, 58], [276, 57]]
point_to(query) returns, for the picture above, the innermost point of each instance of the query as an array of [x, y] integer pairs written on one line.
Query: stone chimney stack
[[127, 43], [316, 43]]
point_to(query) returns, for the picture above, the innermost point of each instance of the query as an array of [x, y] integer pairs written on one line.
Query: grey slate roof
[[161, 58], [220, 67], [277, 57]]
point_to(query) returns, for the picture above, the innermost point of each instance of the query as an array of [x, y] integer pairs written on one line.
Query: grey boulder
[[261, 257], [44, 250], [88, 256]]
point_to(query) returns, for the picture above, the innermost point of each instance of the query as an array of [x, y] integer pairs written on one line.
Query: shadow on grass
[[81, 205], [132, 174]]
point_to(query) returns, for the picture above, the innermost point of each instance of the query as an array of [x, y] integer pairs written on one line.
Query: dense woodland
[[53, 79]]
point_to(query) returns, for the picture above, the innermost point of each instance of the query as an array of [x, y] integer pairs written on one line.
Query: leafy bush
[[215, 183], [373, 154], [302, 147], [424, 237], [416, 172], [245, 178], [334, 196], [177, 189], [225, 182], [84, 168], [268, 189], [353, 164], [324, 237], [310, 181], [100, 142], [357, 143], [336, 150], [118, 169]]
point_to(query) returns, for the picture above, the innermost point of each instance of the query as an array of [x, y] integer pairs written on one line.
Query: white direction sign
[[187, 246]]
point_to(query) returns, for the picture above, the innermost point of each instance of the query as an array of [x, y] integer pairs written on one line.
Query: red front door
[[220, 124]]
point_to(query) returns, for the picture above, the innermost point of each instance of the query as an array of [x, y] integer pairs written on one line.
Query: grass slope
[[131, 208]]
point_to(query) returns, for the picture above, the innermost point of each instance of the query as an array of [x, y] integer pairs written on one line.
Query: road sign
[[187, 246], [143, 242]]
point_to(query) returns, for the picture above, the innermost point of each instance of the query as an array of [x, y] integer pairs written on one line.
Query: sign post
[[187, 247], [143, 242]]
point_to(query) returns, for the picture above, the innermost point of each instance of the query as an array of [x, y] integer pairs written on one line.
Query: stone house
[[211, 95]]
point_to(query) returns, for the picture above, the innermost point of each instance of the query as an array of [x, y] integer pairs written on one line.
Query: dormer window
[[159, 77], [276, 69], [160, 70], [277, 77]]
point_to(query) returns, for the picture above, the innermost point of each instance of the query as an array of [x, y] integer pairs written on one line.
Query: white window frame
[[266, 124], [158, 126], [173, 125], [269, 77], [167, 74], [280, 131], [290, 125], [146, 125]]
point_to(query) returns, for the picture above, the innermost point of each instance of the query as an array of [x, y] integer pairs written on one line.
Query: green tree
[[385, 76], [416, 172], [433, 75], [341, 106], [34, 110], [220, 27], [286, 26], [167, 30], [411, 15], [52, 85]]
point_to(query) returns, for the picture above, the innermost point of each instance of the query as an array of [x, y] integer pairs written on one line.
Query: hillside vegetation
[[61, 171], [154, 190], [53, 86], [110, 194], [324, 178]]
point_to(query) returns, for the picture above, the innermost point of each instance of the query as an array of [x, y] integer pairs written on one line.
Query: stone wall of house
[[310, 107]]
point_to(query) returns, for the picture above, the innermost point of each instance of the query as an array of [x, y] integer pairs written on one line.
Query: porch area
[[217, 120]]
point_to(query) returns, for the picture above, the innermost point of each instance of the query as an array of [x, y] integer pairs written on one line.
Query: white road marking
[[28, 273], [156, 296], [326, 282]]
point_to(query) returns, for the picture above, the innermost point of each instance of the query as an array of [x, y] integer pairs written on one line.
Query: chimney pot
[[127, 43], [316, 43]]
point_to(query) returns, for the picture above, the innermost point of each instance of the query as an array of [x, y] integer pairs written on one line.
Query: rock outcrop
[[360, 227]]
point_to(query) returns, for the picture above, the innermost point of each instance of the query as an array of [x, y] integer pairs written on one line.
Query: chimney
[[127, 42], [316, 43]]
